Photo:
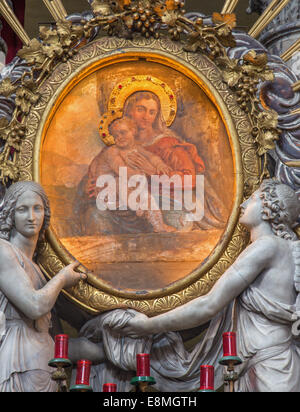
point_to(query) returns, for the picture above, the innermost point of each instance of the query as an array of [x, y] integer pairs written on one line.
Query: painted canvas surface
[[145, 119]]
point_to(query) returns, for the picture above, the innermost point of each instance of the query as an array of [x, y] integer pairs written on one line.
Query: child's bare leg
[[154, 217]]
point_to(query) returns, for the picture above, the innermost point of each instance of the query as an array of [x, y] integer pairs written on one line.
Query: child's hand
[[137, 161]]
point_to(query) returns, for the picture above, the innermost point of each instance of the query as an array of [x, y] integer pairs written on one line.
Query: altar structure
[[167, 144]]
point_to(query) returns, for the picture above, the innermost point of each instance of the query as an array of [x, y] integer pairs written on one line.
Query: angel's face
[[251, 211], [29, 214]]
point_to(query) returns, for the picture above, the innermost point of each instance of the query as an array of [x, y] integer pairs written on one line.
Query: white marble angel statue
[[264, 282], [26, 299]]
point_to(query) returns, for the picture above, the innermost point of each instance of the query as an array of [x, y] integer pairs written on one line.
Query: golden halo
[[105, 121], [140, 83], [129, 86]]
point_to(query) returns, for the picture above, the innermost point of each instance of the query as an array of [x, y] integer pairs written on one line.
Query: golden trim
[[95, 294], [229, 6], [296, 87], [52, 10], [288, 54], [59, 7], [268, 15], [295, 163], [14, 23]]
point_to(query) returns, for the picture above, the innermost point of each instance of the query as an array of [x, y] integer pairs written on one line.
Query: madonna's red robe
[[181, 157]]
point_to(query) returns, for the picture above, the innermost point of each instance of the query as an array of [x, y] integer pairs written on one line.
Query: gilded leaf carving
[[60, 51]]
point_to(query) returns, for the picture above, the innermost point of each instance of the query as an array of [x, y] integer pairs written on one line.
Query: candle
[[229, 344], [83, 372], [109, 387], [143, 364], [206, 378], [61, 347]]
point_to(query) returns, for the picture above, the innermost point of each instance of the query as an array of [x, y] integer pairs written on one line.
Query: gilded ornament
[[59, 55], [101, 7], [7, 88], [92, 296]]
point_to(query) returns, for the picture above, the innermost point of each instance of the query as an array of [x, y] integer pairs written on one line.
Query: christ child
[[112, 159]]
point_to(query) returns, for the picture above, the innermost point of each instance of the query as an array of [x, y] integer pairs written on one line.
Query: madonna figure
[[180, 159], [26, 299]]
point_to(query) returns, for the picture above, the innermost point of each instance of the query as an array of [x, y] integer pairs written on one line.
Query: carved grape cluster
[[246, 88], [18, 131], [144, 21], [175, 32]]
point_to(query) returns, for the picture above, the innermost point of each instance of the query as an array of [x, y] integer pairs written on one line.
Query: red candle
[[229, 344], [109, 387], [61, 347], [83, 372], [207, 378], [143, 364]]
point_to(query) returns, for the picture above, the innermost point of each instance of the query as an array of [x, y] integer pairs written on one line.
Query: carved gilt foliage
[[155, 26]]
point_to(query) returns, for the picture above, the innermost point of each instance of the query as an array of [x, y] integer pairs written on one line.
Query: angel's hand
[[136, 327]]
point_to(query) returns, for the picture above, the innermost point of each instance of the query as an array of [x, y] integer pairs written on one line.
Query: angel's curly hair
[[281, 207], [8, 206]]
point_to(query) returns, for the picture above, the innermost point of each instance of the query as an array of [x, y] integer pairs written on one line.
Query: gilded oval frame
[[94, 295]]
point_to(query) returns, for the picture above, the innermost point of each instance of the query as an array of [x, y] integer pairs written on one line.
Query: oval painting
[[138, 166]]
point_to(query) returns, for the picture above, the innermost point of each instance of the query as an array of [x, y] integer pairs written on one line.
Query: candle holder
[[109, 387], [207, 378], [83, 377], [60, 362], [142, 380], [230, 359]]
